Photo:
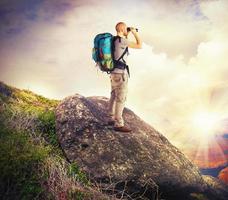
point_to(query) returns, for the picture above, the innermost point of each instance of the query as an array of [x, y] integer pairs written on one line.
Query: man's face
[[122, 27], [125, 33]]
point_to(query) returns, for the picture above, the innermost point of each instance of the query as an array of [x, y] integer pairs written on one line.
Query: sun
[[206, 123]]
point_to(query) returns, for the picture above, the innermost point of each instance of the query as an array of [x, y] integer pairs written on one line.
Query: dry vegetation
[[32, 163]]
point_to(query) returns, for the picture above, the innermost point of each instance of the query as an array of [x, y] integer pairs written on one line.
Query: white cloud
[[167, 91], [182, 63]]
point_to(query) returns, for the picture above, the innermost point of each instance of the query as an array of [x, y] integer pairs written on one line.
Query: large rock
[[139, 162]]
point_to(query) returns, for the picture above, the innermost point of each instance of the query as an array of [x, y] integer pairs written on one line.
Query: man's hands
[[133, 30], [138, 44]]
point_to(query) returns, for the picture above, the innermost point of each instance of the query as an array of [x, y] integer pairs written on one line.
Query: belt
[[121, 65]]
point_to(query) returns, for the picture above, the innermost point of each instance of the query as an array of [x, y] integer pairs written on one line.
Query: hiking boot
[[122, 129], [111, 122]]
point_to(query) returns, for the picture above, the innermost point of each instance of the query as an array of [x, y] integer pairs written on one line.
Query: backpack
[[103, 53]]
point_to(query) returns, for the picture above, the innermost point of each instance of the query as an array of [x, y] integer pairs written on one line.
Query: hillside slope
[[32, 163]]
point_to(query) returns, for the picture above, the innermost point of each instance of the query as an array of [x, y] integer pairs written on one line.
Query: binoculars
[[129, 29]]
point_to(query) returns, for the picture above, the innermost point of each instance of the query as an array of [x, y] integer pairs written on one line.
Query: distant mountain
[[212, 158], [223, 175]]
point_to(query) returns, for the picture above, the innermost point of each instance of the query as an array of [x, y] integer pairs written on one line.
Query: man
[[119, 76]]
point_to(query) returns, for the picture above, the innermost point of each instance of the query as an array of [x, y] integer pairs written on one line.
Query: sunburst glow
[[207, 123]]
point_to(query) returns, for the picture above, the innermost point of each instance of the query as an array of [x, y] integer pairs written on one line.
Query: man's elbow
[[135, 45], [140, 46]]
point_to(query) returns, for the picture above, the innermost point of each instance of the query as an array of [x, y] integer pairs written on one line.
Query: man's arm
[[138, 43]]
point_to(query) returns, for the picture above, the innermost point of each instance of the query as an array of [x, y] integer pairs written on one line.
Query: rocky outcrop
[[140, 163], [216, 189], [223, 175]]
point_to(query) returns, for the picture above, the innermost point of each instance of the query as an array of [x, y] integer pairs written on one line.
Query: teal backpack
[[103, 52]]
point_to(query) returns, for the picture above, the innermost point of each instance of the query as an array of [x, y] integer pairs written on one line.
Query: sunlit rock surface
[[139, 161]]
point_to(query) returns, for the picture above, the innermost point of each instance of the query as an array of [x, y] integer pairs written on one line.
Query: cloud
[[174, 90], [181, 68], [18, 16]]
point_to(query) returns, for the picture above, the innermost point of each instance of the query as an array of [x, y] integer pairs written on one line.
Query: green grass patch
[[75, 172], [47, 127], [29, 152], [19, 162]]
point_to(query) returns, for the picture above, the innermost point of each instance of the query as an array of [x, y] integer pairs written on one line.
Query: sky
[[178, 79]]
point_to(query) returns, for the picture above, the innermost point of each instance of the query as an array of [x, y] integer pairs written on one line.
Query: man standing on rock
[[119, 76]]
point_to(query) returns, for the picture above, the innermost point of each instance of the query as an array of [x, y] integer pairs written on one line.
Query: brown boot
[[122, 129]]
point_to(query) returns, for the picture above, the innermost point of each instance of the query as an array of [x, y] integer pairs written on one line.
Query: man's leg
[[112, 104], [118, 113], [115, 80], [121, 96]]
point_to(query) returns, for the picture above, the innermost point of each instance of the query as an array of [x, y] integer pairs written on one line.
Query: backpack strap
[[122, 64], [113, 46], [121, 57]]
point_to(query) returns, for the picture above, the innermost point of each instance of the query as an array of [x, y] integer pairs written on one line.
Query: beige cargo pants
[[119, 90]]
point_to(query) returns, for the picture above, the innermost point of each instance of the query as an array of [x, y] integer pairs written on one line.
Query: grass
[[74, 171], [32, 163], [47, 127], [19, 160]]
